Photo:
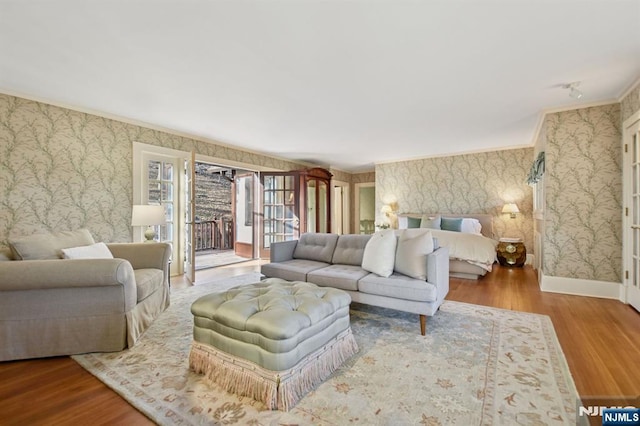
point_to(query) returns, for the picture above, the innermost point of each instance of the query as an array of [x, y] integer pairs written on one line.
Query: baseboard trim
[[581, 287]]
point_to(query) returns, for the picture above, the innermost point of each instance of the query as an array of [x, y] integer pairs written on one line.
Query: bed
[[472, 252]]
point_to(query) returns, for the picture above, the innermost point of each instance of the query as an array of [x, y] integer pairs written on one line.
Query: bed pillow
[[411, 254], [413, 222], [380, 253], [94, 251], [451, 224], [432, 222], [471, 226]]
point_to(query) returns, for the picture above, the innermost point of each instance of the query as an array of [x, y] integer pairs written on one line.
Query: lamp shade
[[510, 208], [145, 215], [386, 209]]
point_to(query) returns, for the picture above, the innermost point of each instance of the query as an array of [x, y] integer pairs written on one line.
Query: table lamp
[[147, 215]]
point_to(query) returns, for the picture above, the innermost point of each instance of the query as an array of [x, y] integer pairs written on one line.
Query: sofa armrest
[[282, 251], [39, 290], [64, 273], [75, 275], [142, 255], [438, 271]]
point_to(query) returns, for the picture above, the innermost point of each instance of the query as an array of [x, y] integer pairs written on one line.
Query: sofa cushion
[[411, 254], [350, 249], [398, 286], [94, 251], [380, 253], [316, 246], [147, 282], [344, 277], [291, 270], [48, 246]]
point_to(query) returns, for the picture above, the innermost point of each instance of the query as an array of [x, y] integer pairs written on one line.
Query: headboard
[[486, 220]]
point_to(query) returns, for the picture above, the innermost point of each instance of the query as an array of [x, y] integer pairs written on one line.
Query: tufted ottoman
[[273, 341]]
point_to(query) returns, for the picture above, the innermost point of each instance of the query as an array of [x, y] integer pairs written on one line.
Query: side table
[[511, 252]]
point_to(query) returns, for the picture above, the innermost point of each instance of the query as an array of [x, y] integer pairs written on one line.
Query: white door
[[631, 216], [189, 218], [245, 215]]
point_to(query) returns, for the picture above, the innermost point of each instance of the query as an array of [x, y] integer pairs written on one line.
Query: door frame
[[139, 149], [630, 294], [356, 207], [343, 205]]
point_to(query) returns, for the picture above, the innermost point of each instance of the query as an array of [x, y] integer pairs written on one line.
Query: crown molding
[[470, 152], [629, 89]]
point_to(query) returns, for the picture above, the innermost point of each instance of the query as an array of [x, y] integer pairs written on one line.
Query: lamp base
[[150, 235]]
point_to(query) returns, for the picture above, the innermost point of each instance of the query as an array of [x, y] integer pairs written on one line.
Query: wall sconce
[[146, 215], [511, 208]]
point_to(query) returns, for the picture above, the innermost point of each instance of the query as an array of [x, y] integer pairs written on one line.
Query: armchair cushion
[[48, 246], [94, 251], [147, 281]]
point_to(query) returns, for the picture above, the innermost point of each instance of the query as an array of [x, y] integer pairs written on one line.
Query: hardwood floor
[[600, 339]]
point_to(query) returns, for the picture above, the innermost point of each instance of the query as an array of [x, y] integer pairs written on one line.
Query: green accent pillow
[[413, 222], [451, 224]]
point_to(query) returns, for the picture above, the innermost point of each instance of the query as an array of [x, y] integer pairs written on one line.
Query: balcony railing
[[213, 234]]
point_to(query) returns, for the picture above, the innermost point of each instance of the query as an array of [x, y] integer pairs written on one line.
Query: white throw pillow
[[380, 253], [94, 251], [411, 255], [471, 226]]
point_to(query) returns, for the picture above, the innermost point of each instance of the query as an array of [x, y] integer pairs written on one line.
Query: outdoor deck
[[214, 257]]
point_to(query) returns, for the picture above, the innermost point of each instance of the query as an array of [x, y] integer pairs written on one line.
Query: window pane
[[154, 170], [167, 171], [289, 182], [167, 191], [154, 193]]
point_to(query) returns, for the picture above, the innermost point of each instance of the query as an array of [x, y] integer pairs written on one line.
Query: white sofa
[[333, 260]]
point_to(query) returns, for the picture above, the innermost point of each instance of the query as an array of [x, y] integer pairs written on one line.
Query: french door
[[189, 218], [246, 214], [631, 216], [280, 209]]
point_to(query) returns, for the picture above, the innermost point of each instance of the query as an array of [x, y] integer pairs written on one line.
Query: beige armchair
[[53, 307]]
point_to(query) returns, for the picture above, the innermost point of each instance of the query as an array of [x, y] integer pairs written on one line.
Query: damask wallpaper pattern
[[583, 194], [62, 169], [470, 183], [630, 104]]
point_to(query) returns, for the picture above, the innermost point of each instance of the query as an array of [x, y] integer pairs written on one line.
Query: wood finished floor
[[600, 339]]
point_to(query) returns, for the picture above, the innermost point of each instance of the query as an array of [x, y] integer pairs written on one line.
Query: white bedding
[[475, 249]]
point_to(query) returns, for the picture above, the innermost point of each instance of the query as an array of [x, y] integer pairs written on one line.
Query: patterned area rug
[[476, 366]]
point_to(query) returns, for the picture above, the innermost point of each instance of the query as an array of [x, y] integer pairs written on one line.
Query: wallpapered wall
[[471, 183], [583, 194], [631, 103], [61, 169]]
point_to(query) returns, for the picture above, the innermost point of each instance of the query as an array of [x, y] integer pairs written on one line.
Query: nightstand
[[511, 252]]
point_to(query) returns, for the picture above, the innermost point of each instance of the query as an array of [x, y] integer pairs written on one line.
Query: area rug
[[475, 366]]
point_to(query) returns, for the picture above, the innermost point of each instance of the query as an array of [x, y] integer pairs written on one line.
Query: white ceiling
[[345, 83]]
